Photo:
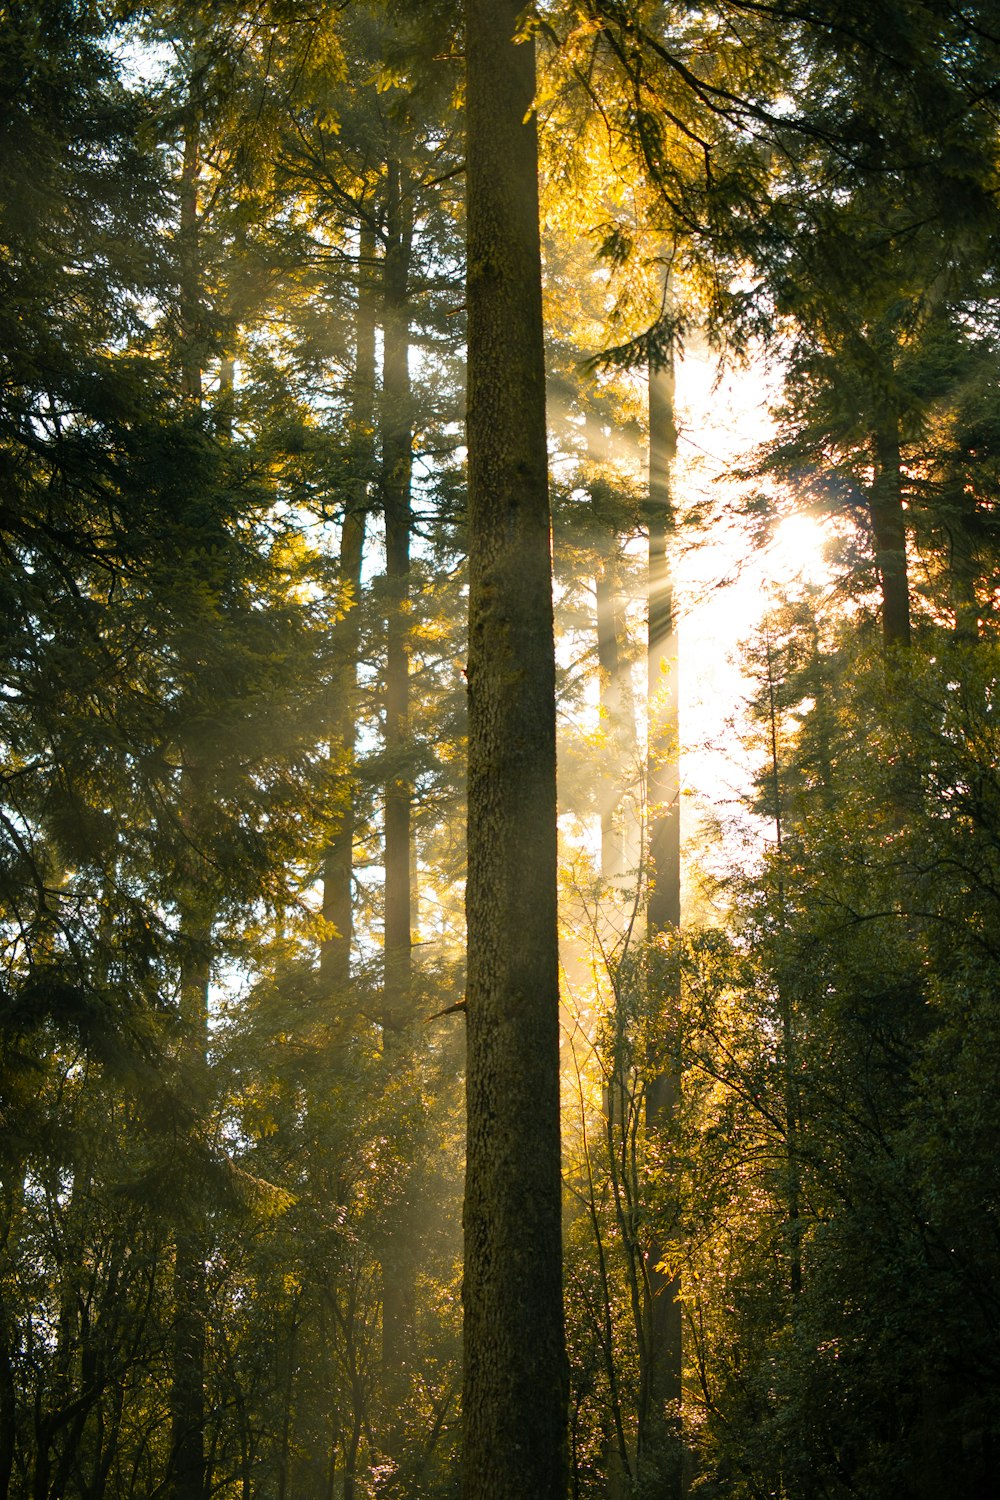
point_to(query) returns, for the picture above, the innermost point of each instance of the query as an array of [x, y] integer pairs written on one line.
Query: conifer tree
[[514, 1406]]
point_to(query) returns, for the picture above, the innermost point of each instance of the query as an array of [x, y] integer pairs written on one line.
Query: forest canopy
[[347, 539]]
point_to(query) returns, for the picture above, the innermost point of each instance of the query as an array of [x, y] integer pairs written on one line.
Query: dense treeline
[[233, 718]]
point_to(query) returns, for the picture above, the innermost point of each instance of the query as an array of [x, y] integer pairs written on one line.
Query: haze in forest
[[499, 798]]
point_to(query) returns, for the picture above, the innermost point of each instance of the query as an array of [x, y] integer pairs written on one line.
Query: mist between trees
[[286, 291]]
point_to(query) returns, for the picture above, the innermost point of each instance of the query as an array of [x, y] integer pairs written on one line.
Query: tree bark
[[398, 1254], [658, 1445], [515, 1392], [964, 572], [187, 1391], [615, 685], [663, 769], [785, 1008], [338, 864], [397, 466], [187, 1477], [889, 530], [188, 257], [11, 1206], [187, 1467], [612, 858]]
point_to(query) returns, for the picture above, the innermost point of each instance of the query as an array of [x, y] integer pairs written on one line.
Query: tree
[[836, 1314], [662, 1336], [515, 1377]]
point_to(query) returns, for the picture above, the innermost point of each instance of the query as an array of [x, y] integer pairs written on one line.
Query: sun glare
[[798, 551], [726, 585]]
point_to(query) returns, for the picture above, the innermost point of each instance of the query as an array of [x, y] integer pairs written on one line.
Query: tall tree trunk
[[609, 674], [398, 1255], [285, 1447], [515, 1391], [8, 1400], [338, 863], [659, 1437], [397, 464], [615, 682], [608, 668], [964, 570], [791, 1091], [663, 769], [189, 260], [226, 397], [618, 713], [187, 1470], [889, 530], [11, 1208]]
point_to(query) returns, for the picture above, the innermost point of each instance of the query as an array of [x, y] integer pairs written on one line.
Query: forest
[[380, 1118]]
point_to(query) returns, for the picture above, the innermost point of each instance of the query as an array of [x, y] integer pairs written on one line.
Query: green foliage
[[836, 1051], [194, 202]]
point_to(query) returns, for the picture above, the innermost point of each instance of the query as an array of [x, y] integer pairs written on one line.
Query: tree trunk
[[187, 1468], [658, 1441], [187, 1394], [285, 1447], [964, 572], [615, 683], [397, 464], [338, 864], [187, 1471], [618, 714], [398, 1255], [786, 1012], [608, 666], [663, 770], [8, 1402], [189, 268], [515, 1391], [11, 1204], [889, 530]]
